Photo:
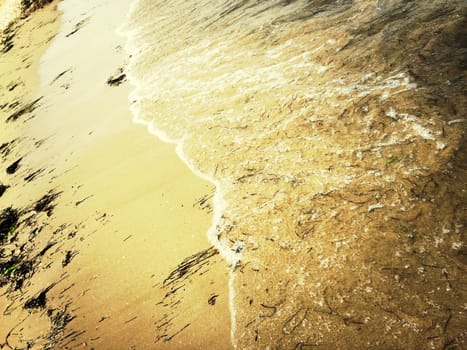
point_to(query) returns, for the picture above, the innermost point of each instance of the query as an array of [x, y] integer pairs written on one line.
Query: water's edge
[[230, 256], [312, 121]]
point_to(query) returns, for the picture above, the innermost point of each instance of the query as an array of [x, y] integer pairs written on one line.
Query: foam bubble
[[136, 48]]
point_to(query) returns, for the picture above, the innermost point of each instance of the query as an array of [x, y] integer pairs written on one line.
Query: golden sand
[[9, 10], [126, 212], [334, 132]]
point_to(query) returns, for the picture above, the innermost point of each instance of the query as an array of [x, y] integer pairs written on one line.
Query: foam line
[[231, 256]]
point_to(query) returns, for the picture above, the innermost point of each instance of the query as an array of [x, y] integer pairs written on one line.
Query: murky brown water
[[314, 120]]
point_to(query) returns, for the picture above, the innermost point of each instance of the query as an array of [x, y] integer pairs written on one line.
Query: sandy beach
[[120, 221], [232, 175]]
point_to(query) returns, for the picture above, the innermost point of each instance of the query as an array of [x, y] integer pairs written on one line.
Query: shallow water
[[282, 105]]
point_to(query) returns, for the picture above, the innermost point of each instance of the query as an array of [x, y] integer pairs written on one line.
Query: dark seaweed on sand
[[28, 6], [34, 175], [190, 266], [5, 148], [28, 108], [13, 167], [117, 79], [37, 302], [45, 204], [3, 188], [6, 42], [8, 221], [40, 300], [16, 271], [78, 26], [59, 319], [69, 255]]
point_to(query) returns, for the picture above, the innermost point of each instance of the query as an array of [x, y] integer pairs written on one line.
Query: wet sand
[[125, 214], [334, 132]]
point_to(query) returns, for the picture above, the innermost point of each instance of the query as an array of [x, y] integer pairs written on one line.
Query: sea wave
[[284, 106]]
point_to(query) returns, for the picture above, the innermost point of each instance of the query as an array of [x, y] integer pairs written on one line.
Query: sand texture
[[234, 174], [107, 213]]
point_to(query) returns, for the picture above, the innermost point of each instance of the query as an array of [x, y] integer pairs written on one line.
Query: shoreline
[[92, 209], [324, 133], [219, 205], [318, 150], [228, 254]]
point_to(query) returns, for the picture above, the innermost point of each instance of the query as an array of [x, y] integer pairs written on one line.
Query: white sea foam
[[136, 49], [217, 74]]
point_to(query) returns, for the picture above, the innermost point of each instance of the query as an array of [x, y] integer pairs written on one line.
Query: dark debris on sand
[[8, 221], [15, 271], [77, 27], [59, 319], [6, 41], [190, 266], [21, 254], [3, 188], [39, 301], [28, 6], [117, 79], [12, 168], [197, 264], [69, 255], [19, 264], [32, 176], [45, 204], [26, 109], [5, 148]]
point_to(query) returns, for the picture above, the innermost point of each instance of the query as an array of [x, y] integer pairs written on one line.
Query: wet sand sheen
[[332, 132], [296, 108], [128, 202], [134, 175]]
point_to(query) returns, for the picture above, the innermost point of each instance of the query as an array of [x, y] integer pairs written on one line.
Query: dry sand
[[336, 131], [124, 205]]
